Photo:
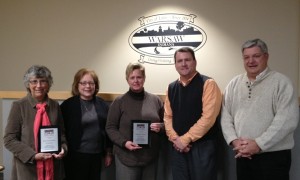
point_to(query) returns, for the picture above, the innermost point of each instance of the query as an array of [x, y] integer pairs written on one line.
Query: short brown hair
[[78, 76], [185, 49]]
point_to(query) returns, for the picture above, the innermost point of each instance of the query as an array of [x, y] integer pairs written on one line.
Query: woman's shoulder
[[154, 97], [25, 101], [99, 100], [53, 102], [21, 102], [71, 100], [122, 97]]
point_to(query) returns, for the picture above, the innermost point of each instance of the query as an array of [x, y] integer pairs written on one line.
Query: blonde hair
[[133, 66]]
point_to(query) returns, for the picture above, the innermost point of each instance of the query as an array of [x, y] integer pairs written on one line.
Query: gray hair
[[255, 42], [37, 71]]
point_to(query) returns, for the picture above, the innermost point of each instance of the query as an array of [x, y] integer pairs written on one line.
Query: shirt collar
[[33, 101], [262, 74], [188, 81]]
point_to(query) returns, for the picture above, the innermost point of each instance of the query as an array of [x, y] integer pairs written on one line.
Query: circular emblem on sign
[[161, 35]]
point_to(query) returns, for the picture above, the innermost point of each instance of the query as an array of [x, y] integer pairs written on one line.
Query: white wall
[[67, 35], [71, 34]]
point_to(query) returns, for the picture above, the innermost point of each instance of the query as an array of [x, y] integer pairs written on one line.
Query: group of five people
[[259, 113]]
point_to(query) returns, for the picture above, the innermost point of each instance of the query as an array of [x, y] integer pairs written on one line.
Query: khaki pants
[[124, 172]]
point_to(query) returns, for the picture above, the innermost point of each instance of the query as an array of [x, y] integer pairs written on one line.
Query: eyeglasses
[[84, 83], [42, 82]]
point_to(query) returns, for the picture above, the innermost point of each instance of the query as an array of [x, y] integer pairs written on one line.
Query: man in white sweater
[[259, 115]]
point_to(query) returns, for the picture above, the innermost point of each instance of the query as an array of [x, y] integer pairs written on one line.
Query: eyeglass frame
[[35, 82], [85, 83]]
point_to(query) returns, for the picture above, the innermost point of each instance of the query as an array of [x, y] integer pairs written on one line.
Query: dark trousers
[[81, 166], [266, 166], [198, 164]]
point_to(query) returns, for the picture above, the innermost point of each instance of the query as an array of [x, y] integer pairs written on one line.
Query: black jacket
[[71, 111]]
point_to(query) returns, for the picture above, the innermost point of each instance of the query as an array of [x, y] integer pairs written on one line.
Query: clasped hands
[[245, 147], [179, 146]]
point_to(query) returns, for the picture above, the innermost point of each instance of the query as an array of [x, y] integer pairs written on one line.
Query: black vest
[[186, 103]]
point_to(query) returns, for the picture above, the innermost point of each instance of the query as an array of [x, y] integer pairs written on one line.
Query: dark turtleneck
[[137, 95]]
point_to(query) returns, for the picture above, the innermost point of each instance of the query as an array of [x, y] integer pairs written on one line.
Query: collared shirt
[[211, 100], [188, 81]]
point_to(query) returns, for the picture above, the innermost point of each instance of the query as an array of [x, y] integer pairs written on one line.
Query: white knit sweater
[[265, 110]]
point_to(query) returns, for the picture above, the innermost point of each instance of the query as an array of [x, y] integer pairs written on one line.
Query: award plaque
[[49, 139], [141, 132]]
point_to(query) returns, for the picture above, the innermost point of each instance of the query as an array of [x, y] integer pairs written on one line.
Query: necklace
[[87, 106], [84, 107], [88, 110]]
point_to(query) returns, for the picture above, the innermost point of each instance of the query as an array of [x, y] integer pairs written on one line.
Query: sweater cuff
[[185, 139], [123, 144], [260, 144], [31, 160]]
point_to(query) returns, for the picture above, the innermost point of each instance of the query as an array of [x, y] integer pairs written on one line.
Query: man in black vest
[[192, 105]]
